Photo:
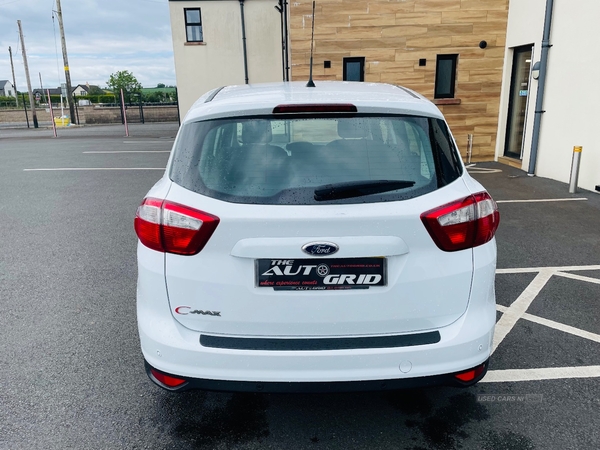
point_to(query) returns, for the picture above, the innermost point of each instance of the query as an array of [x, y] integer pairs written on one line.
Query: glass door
[[517, 104]]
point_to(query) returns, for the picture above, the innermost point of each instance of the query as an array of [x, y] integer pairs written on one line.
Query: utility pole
[[12, 66], [31, 100], [42, 87], [66, 61]]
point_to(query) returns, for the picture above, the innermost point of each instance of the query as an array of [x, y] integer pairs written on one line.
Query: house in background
[[42, 93], [450, 51], [224, 42], [7, 89], [85, 89], [80, 90], [570, 114]]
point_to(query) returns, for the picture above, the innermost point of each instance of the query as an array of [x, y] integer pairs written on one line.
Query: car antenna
[[311, 83]]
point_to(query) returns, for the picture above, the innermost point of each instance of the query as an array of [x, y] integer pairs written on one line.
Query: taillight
[[168, 380], [464, 223], [315, 108], [173, 228], [470, 375]]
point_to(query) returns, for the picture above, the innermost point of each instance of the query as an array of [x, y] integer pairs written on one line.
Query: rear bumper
[[176, 350], [317, 387]]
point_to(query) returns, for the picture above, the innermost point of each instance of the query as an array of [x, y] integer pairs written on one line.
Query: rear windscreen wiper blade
[[351, 189]]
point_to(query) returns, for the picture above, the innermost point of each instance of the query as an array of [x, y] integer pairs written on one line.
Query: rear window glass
[[314, 160]]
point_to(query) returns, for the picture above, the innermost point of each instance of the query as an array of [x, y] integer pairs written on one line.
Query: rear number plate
[[321, 274]]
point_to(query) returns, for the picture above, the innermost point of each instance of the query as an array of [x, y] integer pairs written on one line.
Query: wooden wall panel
[[392, 36]]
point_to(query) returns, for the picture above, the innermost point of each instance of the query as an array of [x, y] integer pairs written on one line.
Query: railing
[[9, 105]]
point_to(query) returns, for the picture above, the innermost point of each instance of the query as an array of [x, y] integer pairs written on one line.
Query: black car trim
[[315, 344], [213, 94], [408, 91]]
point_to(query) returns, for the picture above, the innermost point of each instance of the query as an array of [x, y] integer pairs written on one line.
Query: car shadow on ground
[[419, 419]]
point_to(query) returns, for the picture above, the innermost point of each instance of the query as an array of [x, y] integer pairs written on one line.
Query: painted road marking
[[543, 200], [553, 269], [550, 373], [148, 142], [133, 151], [481, 170], [556, 325], [92, 168], [578, 277], [518, 310], [519, 307]]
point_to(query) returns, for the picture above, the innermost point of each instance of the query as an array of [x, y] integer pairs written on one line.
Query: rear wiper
[[351, 189]]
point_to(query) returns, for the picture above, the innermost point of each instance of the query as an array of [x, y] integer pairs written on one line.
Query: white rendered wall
[[525, 27], [219, 60], [572, 87], [572, 92]]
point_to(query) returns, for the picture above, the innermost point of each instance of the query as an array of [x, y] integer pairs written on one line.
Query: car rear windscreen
[[315, 160]]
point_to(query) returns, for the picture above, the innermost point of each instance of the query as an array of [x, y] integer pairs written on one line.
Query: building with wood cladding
[[451, 51]]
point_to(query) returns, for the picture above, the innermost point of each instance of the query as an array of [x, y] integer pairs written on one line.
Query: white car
[[322, 238]]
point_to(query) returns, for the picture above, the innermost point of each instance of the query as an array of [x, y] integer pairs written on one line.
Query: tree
[[160, 85], [125, 80]]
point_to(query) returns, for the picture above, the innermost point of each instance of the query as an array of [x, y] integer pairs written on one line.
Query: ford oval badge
[[320, 248]]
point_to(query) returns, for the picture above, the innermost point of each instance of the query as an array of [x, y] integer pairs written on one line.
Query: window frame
[[193, 24], [454, 59], [358, 59]]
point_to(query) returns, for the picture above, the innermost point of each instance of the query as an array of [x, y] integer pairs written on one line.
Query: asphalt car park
[[72, 372]]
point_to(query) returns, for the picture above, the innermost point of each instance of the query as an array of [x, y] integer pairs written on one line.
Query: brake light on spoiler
[[465, 223], [315, 108], [173, 228]]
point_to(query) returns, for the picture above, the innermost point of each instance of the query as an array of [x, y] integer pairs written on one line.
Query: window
[[354, 69], [193, 25], [282, 161], [445, 76]]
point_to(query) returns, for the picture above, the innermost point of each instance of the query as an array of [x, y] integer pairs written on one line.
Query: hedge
[[7, 101]]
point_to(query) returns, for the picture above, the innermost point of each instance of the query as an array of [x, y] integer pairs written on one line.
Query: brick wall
[[18, 115], [393, 36], [113, 115], [92, 115]]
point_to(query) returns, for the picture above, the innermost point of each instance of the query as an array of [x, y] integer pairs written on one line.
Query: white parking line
[[518, 311], [149, 142], [553, 269], [133, 151], [543, 200], [481, 170], [519, 307], [92, 168], [550, 373], [578, 277], [556, 325]]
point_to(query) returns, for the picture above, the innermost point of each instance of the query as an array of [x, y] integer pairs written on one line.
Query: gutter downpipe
[[244, 41], [285, 40], [279, 9], [539, 102]]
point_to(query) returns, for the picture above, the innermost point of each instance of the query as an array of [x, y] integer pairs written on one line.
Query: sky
[[103, 37]]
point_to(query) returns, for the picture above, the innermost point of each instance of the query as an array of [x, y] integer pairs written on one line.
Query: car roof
[[260, 99]]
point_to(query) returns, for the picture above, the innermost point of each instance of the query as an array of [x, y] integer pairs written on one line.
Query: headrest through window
[[256, 132]]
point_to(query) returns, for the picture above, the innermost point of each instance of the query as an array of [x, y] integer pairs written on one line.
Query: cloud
[[102, 37]]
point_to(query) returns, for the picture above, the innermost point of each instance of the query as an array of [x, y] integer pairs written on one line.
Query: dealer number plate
[[321, 274]]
